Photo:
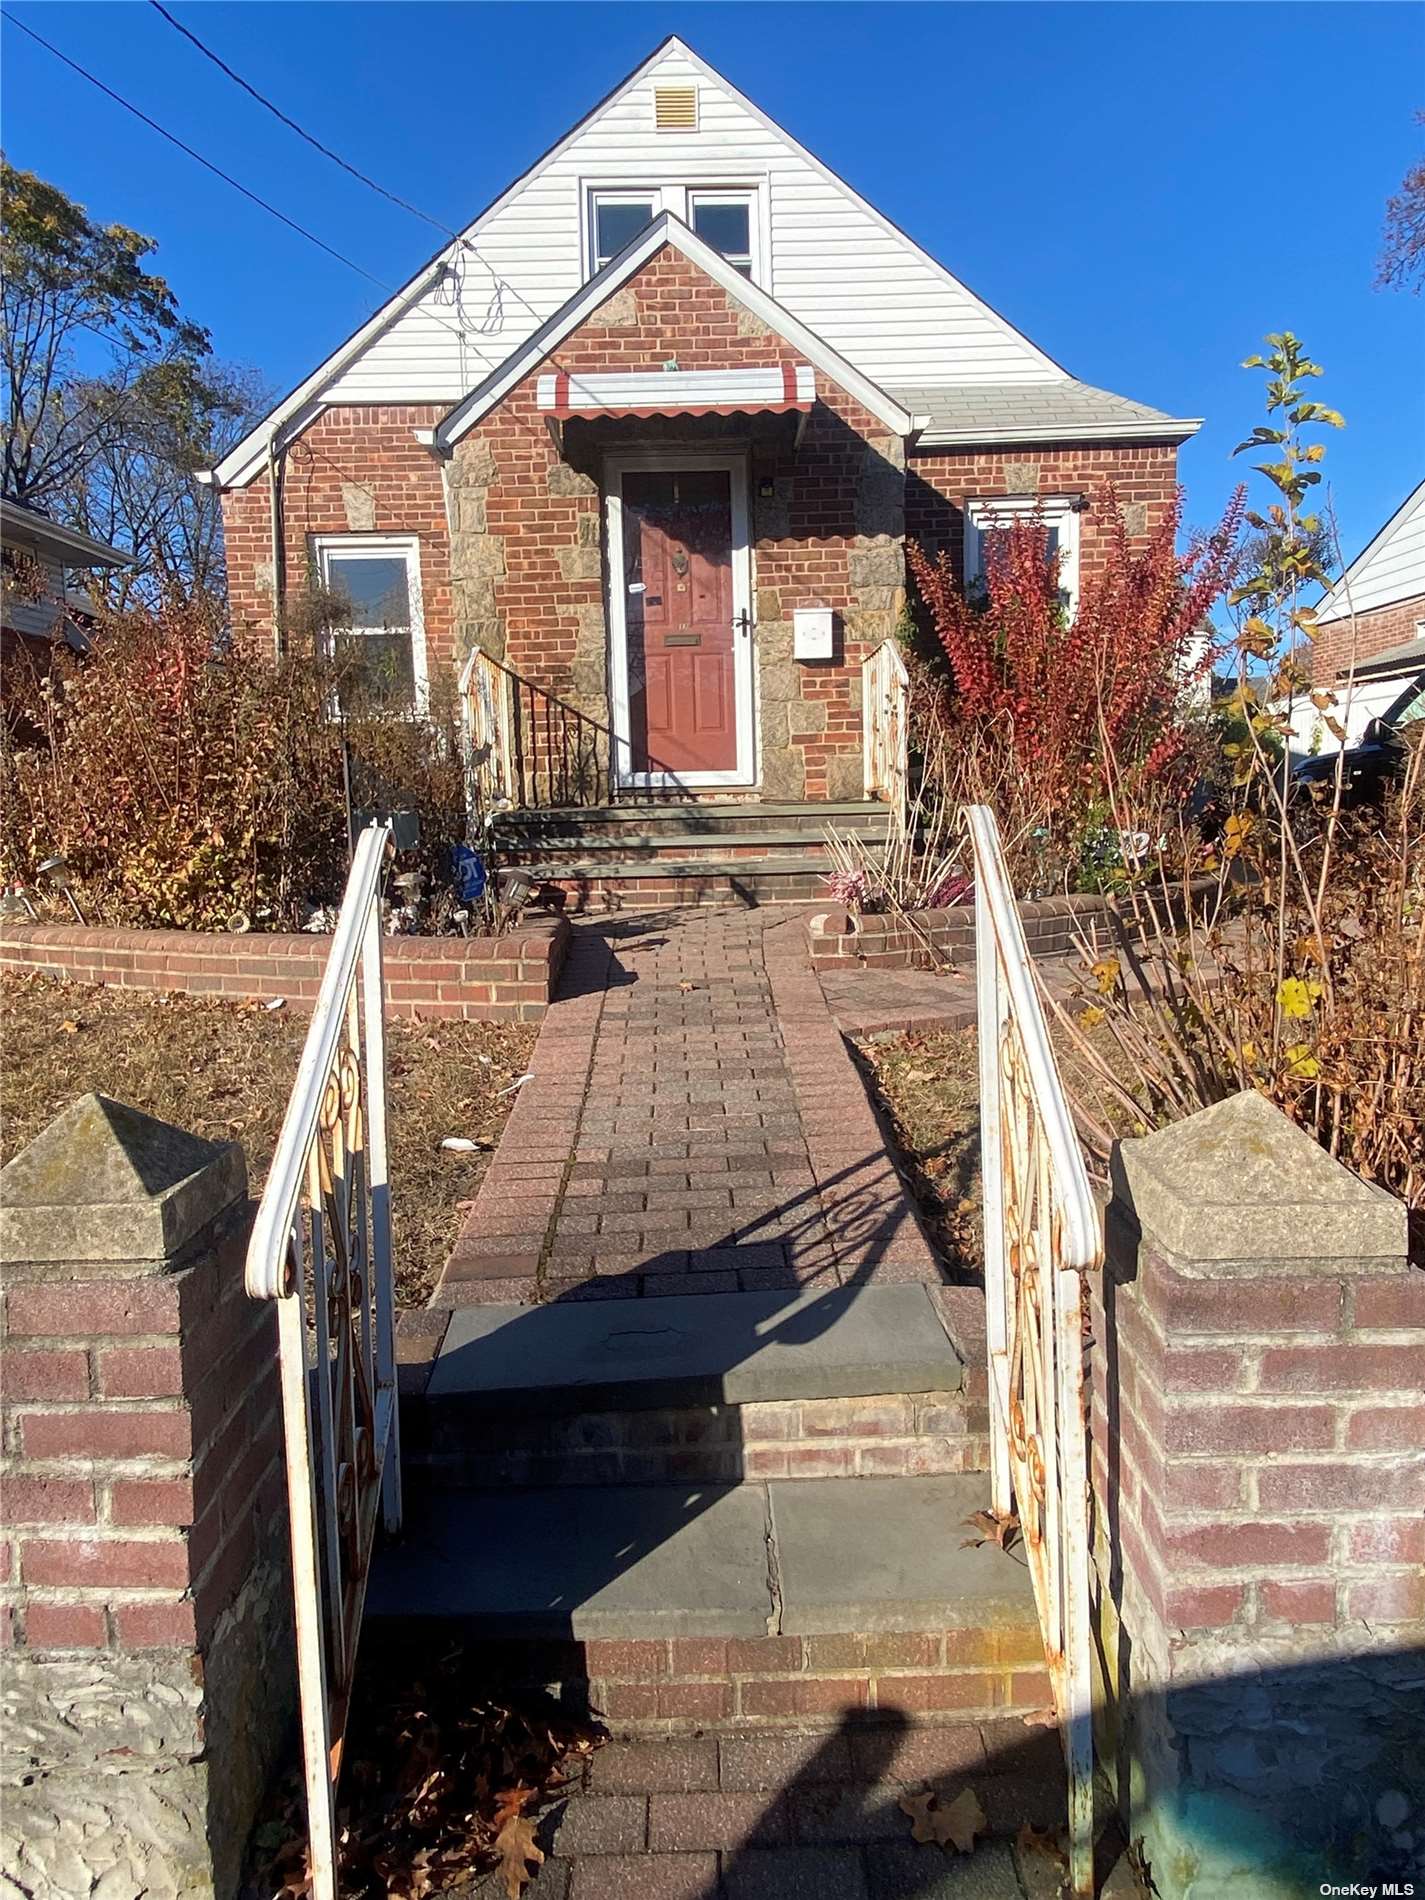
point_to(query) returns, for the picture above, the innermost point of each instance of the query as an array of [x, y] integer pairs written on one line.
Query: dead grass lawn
[[225, 1070], [928, 1087]]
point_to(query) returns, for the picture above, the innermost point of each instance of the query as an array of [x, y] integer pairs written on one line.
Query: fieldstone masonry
[[145, 1601], [1259, 1480]]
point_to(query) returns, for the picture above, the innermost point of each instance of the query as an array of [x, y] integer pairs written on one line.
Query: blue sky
[[1138, 187]]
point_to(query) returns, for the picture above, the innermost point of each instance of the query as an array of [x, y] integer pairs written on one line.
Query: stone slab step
[[641, 1563], [561, 869], [709, 1348], [705, 817], [672, 847]]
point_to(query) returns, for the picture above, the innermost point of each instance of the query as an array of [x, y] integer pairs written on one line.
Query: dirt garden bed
[[225, 1070]]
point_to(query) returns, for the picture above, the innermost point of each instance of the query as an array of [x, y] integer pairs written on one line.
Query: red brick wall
[[374, 447], [1342, 644], [141, 1426], [1257, 1446], [939, 482], [480, 979], [674, 310]]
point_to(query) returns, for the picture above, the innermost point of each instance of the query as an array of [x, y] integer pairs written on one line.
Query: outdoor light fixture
[[516, 887], [56, 869]]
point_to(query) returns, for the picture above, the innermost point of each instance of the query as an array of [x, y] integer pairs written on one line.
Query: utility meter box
[[813, 633]]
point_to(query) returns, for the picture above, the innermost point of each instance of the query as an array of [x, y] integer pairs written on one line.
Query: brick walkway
[[692, 1124], [807, 1817]]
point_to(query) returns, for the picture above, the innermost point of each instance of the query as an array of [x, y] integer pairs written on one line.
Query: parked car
[[1375, 761]]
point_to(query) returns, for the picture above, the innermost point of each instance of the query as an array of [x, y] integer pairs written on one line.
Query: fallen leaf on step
[[954, 1825], [1045, 1841], [1003, 1531], [515, 1842], [1041, 1718]]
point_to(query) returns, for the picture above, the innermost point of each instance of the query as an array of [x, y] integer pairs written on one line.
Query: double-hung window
[[724, 220], [984, 520], [728, 218], [616, 218], [378, 641]]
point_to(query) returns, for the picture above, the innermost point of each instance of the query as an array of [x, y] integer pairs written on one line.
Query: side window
[[381, 648], [984, 520]]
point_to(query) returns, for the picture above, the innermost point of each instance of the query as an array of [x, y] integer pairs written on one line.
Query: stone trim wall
[[828, 522], [143, 1525], [477, 979], [940, 481]]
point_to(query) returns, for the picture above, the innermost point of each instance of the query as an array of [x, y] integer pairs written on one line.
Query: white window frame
[[1060, 512], [678, 199], [598, 195], [732, 195], [383, 547]]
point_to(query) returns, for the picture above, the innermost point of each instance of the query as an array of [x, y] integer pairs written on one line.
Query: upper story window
[[381, 650], [728, 218], [1060, 516], [617, 218], [723, 220]]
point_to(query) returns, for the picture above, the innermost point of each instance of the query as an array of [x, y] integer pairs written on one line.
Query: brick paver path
[[807, 1817], [693, 1123]]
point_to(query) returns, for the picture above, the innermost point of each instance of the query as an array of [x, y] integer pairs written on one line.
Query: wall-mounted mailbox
[[813, 633]]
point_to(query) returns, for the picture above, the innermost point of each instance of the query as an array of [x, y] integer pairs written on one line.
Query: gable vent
[[675, 108]]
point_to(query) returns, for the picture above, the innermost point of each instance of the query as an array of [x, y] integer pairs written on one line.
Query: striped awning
[[780, 388]]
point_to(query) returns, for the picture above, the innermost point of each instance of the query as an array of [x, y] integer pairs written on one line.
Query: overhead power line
[[292, 125], [206, 163]]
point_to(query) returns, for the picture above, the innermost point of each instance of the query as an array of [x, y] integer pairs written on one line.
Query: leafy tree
[[114, 449], [65, 276], [1402, 258]]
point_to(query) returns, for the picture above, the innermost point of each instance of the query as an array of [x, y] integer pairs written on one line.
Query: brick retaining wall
[[481, 979], [836, 937]]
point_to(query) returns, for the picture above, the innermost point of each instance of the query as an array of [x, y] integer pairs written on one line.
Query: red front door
[[678, 611]]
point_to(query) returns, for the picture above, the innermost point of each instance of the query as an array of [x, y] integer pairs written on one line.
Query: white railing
[[885, 725], [321, 1248], [1042, 1234]]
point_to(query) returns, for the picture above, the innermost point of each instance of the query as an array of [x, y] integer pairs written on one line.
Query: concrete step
[[703, 818], [673, 1606], [672, 847], [662, 883], [711, 1388]]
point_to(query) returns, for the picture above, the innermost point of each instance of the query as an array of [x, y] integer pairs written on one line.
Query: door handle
[[743, 622]]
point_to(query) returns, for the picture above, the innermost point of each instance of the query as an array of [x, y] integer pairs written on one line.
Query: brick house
[[651, 436], [1370, 642]]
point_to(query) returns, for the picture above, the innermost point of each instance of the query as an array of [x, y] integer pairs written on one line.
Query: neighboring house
[[1370, 630], [43, 603], [653, 434]]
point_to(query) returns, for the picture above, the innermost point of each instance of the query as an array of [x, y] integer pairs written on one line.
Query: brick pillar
[[1259, 1481], [142, 1530]]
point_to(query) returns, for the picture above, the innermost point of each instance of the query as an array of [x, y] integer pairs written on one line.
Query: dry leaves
[[956, 1825], [1003, 1531], [443, 1782]]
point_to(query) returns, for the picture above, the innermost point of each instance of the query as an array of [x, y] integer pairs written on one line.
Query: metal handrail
[[268, 1273], [1042, 1234], [327, 1207]]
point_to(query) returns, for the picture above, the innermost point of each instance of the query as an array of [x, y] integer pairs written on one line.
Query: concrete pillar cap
[[1239, 1184], [107, 1183]]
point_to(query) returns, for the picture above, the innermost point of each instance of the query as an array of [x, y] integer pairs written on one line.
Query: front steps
[[740, 1510], [651, 855], [676, 1609], [704, 1388]]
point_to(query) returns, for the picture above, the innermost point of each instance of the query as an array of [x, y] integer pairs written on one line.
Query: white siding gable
[[827, 256], [1391, 568]]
